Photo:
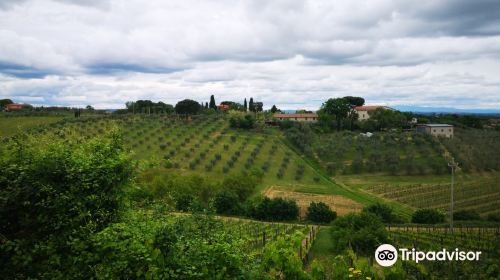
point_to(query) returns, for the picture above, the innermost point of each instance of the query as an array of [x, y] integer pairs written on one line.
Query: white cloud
[[293, 53]]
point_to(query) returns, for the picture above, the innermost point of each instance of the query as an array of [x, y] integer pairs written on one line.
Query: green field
[[395, 153], [208, 146], [476, 191], [171, 155], [12, 125]]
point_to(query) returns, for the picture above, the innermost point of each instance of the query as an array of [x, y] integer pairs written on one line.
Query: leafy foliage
[[274, 209], [427, 216], [384, 211], [194, 247], [466, 215], [238, 120], [363, 232], [54, 194], [148, 106], [335, 109], [227, 202], [319, 212], [187, 107], [384, 118]]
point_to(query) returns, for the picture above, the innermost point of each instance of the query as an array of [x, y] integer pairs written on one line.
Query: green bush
[[227, 202], [54, 194], [274, 209], [191, 247], [385, 213], [364, 232], [244, 121], [242, 184], [319, 212], [493, 217], [466, 215], [427, 216]]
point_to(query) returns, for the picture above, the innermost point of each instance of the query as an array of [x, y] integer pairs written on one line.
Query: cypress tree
[[245, 106], [212, 103], [206, 105]]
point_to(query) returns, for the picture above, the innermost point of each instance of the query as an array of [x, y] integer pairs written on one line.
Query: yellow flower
[[351, 268], [368, 278]]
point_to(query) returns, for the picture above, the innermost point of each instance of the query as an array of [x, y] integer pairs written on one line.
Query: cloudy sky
[[295, 54]]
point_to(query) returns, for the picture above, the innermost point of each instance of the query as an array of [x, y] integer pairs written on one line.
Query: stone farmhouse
[[436, 129]]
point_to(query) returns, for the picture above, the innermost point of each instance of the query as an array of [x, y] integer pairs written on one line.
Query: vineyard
[[189, 164], [481, 194], [486, 240], [257, 234]]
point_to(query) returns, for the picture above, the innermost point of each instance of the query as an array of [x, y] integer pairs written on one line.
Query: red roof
[[309, 115], [223, 107], [369, 108], [14, 106]]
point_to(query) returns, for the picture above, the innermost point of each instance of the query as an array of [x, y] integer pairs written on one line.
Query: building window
[[306, 119], [295, 118]]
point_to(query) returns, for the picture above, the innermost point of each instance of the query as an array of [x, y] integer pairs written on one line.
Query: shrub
[[384, 212], [183, 202], [364, 232], [244, 121], [241, 184], [227, 202], [493, 217], [193, 247], [320, 213], [275, 209], [427, 216], [466, 215], [54, 193]]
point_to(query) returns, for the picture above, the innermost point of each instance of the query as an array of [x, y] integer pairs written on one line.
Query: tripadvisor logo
[[387, 255]]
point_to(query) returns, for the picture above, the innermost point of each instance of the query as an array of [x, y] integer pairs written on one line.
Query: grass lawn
[[322, 249]]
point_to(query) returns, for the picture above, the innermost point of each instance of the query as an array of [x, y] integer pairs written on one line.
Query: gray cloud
[[288, 52]]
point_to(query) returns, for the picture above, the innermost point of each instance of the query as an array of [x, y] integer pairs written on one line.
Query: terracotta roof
[[369, 108], [309, 115], [15, 105]]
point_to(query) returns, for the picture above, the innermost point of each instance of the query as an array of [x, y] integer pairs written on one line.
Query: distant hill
[[417, 109]]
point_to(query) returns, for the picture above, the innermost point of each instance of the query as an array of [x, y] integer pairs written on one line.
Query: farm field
[[477, 150], [479, 192], [395, 153], [12, 125], [424, 238], [210, 147], [173, 155]]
